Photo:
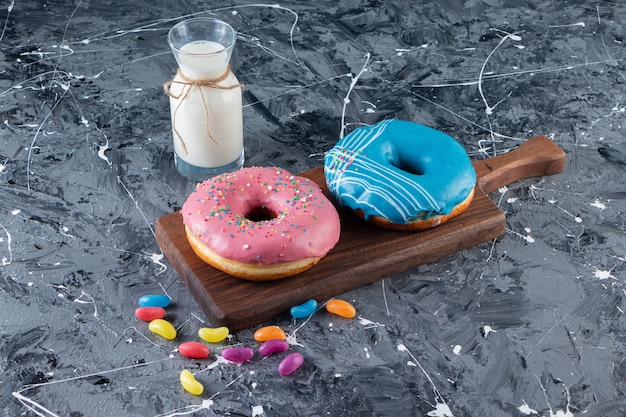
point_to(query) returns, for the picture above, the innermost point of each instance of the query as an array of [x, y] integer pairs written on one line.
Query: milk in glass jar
[[205, 99]]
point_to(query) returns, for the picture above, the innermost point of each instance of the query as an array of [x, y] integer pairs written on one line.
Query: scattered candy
[[149, 313], [163, 328], [273, 346], [238, 354], [193, 350], [304, 310], [213, 335], [341, 308], [154, 301], [190, 384], [269, 332], [289, 365]]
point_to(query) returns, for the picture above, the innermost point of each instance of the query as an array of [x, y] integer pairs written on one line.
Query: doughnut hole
[[412, 167], [261, 214]]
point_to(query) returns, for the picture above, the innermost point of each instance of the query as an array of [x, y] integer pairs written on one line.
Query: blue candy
[[154, 301], [304, 310]]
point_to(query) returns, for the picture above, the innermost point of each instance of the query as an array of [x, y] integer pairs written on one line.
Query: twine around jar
[[188, 84]]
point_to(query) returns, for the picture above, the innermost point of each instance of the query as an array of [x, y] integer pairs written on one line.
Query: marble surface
[[531, 324]]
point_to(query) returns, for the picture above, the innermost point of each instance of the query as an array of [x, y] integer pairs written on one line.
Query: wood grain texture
[[364, 253], [536, 157]]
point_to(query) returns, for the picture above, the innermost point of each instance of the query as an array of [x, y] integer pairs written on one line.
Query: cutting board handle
[[536, 157]]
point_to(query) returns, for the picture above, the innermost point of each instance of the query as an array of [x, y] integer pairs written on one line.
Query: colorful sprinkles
[[221, 209]]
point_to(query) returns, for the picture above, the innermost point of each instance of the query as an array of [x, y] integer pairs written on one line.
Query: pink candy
[[238, 354], [290, 364], [273, 346]]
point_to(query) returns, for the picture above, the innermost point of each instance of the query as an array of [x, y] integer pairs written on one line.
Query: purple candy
[[238, 354], [273, 346], [290, 364]]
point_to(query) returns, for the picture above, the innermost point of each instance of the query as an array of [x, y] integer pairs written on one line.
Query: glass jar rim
[[228, 30]]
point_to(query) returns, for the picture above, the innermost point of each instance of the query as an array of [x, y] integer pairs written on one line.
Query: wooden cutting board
[[364, 253]]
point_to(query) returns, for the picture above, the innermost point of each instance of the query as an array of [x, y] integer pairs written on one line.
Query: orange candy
[[269, 332], [341, 308]]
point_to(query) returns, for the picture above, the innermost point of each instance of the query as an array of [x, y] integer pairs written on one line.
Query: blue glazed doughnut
[[400, 175]]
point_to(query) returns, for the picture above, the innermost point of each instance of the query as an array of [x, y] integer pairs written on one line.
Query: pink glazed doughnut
[[260, 223]]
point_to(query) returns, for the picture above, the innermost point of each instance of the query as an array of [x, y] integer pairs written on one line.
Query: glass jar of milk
[[205, 99]]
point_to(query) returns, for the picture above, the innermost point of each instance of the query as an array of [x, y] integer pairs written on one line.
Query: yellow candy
[[163, 328], [269, 332], [190, 383], [213, 335], [341, 308]]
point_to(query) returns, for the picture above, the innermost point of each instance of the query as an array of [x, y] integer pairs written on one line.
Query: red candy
[[149, 313], [193, 350]]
